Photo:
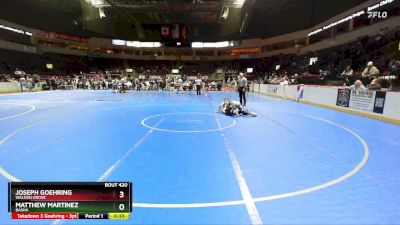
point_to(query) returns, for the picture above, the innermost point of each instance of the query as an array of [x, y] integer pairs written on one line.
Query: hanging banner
[[364, 100], [343, 97], [300, 92], [380, 97], [61, 37], [175, 32]]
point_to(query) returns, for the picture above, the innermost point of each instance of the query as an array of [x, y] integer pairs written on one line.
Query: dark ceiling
[[265, 17], [273, 17]]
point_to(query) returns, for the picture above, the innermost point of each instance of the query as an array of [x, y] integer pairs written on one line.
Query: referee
[[242, 84], [198, 84]]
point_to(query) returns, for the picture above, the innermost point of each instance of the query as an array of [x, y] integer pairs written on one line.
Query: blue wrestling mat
[[293, 164]]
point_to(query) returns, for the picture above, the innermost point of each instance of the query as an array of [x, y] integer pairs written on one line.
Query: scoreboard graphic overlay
[[70, 200]]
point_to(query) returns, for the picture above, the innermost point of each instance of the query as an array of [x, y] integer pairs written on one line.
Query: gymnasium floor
[[293, 164]]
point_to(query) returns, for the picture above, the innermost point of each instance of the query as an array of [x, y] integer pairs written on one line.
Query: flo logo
[[377, 14]]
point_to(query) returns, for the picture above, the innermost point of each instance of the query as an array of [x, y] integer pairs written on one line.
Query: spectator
[[29, 83], [22, 82], [370, 71], [357, 86], [375, 84], [395, 85], [53, 83], [233, 84], [286, 80], [296, 79], [395, 68], [347, 72], [347, 75], [219, 85]]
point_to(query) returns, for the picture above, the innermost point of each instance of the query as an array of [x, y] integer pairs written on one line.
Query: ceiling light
[[101, 13]]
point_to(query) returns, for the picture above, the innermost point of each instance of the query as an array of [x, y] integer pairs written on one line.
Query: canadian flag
[[165, 31]]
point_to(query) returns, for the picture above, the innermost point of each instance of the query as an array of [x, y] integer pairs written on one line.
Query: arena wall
[[9, 87], [8, 45], [327, 97], [13, 87], [322, 96]]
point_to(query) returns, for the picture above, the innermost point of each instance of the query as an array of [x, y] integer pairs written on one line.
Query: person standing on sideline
[[198, 84], [22, 83], [242, 85]]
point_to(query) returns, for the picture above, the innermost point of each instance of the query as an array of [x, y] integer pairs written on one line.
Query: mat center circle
[[11, 110], [188, 122]]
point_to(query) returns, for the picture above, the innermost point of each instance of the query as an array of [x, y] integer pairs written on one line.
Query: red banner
[[61, 37], [175, 31]]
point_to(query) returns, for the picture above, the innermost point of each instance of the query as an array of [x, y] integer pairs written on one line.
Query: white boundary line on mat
[[20, 114], [244, 188], [112, 168], [186, 131], [338, 180]]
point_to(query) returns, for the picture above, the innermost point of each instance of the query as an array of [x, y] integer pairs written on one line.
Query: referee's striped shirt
[[242, 82]]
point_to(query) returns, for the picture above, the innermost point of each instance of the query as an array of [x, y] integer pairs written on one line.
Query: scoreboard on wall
[[70, 200]]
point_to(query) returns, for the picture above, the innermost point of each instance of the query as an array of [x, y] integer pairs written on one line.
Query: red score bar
[[86, 195], [44, 216]]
